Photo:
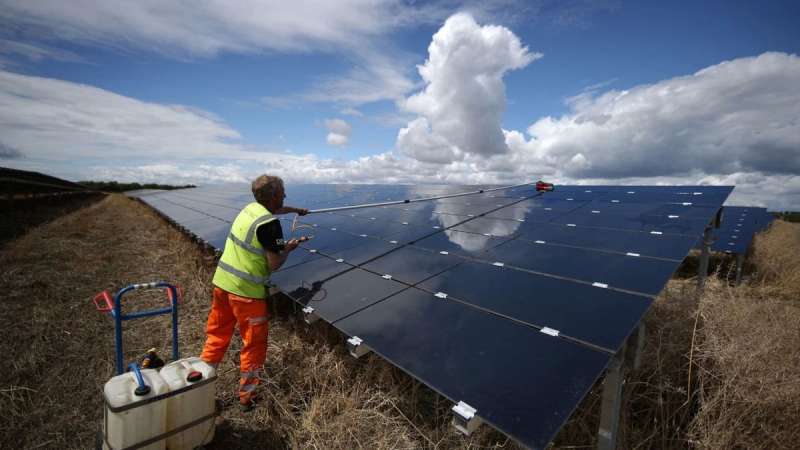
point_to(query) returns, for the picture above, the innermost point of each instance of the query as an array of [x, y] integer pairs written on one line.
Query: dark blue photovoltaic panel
[[206, 207], [673, 246], [411, 265], [345, 294], [520, 380], [460, 243], [671, 224], [176, 212], [490, 227], [739, 225], [327, 241], [583, 260], [211, 230], [299, 278], [371, 249], [765, 221], [645, 275], [368, 227], [596, 315], [298, 256]]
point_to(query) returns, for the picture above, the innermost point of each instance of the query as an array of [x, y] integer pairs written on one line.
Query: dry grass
[[58, 350], [776, 256], [749, 360], [742, 391]]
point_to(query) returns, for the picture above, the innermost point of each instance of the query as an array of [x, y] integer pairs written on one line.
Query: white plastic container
[[191, 401], [131, 419]]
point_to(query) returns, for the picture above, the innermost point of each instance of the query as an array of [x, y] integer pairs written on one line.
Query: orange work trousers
[[228, 310]]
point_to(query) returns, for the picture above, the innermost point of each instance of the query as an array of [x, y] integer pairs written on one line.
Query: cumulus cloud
[[736, 116], [733, 122], [464, 98], [338, 132]]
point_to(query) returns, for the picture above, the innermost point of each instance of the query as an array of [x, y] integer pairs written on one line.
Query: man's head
[[268, 190]]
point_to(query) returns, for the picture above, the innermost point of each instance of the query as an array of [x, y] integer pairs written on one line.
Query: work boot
[[221, 423], [248, 406]]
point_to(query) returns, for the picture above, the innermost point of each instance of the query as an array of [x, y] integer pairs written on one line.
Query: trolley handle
[[105, 297], [177, 296], [104, 302]]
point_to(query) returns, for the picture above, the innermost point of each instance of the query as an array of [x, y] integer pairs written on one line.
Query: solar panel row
[[738, 227], [511, 301]]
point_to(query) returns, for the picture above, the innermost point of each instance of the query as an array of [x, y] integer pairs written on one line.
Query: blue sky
[[572, 91]]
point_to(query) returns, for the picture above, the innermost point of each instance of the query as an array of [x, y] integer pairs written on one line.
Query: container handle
[[142, 388]]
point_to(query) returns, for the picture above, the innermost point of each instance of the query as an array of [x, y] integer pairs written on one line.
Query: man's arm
[[291, 209], [276, 259]]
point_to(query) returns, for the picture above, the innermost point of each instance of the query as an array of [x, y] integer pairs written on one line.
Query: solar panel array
[[738, 227], [511, 301]]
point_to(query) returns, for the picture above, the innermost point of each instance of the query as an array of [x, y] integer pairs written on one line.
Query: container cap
[[194, 376], [142, 390]]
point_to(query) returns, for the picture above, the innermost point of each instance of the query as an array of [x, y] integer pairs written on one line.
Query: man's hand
[[291, 244], [301, 211]]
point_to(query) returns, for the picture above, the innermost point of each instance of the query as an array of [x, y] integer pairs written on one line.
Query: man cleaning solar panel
[[254, 248]]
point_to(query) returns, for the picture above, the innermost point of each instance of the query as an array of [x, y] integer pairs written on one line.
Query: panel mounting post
[[739, 264], [356, 347], [464, 418], [611, 403], [702, 271], [309, 316]]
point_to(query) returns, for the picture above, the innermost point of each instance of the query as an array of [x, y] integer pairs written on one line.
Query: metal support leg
[[739, 263], [702, 272], [612, 403]]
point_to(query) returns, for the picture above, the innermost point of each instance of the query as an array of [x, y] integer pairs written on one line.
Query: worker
[[254, 248]]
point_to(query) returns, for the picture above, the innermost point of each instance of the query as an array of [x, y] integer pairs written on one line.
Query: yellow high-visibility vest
[[242, 269]]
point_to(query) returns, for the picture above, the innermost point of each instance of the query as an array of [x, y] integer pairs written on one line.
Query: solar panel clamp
[[465, 419]]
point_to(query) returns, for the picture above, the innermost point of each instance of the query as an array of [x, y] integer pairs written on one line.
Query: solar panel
[[511, 301], [739, 225], [519, 379]]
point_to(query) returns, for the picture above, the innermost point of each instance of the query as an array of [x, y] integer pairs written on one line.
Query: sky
[[405, 91]]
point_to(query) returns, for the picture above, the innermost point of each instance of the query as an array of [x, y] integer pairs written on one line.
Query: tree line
[[113, 186]]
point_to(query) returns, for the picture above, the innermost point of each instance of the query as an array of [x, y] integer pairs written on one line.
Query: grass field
[[719, 371]]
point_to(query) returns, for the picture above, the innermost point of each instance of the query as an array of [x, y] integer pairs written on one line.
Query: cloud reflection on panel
[[450, 213]]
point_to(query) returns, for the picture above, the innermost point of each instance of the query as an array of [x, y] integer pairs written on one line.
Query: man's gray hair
[[265, 186]]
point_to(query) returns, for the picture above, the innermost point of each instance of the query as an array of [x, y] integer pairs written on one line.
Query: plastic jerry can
[[190, 406], [133, 414]]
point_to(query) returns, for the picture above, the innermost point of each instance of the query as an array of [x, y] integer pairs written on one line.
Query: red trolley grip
[[179, 289], [106, 298]]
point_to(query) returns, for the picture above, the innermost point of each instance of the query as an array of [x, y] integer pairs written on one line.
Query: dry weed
[[749, 369], [777, 258]]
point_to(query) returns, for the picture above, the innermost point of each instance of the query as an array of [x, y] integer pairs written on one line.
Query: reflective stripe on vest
[[243, 275], [245, 245], [259, 221]]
